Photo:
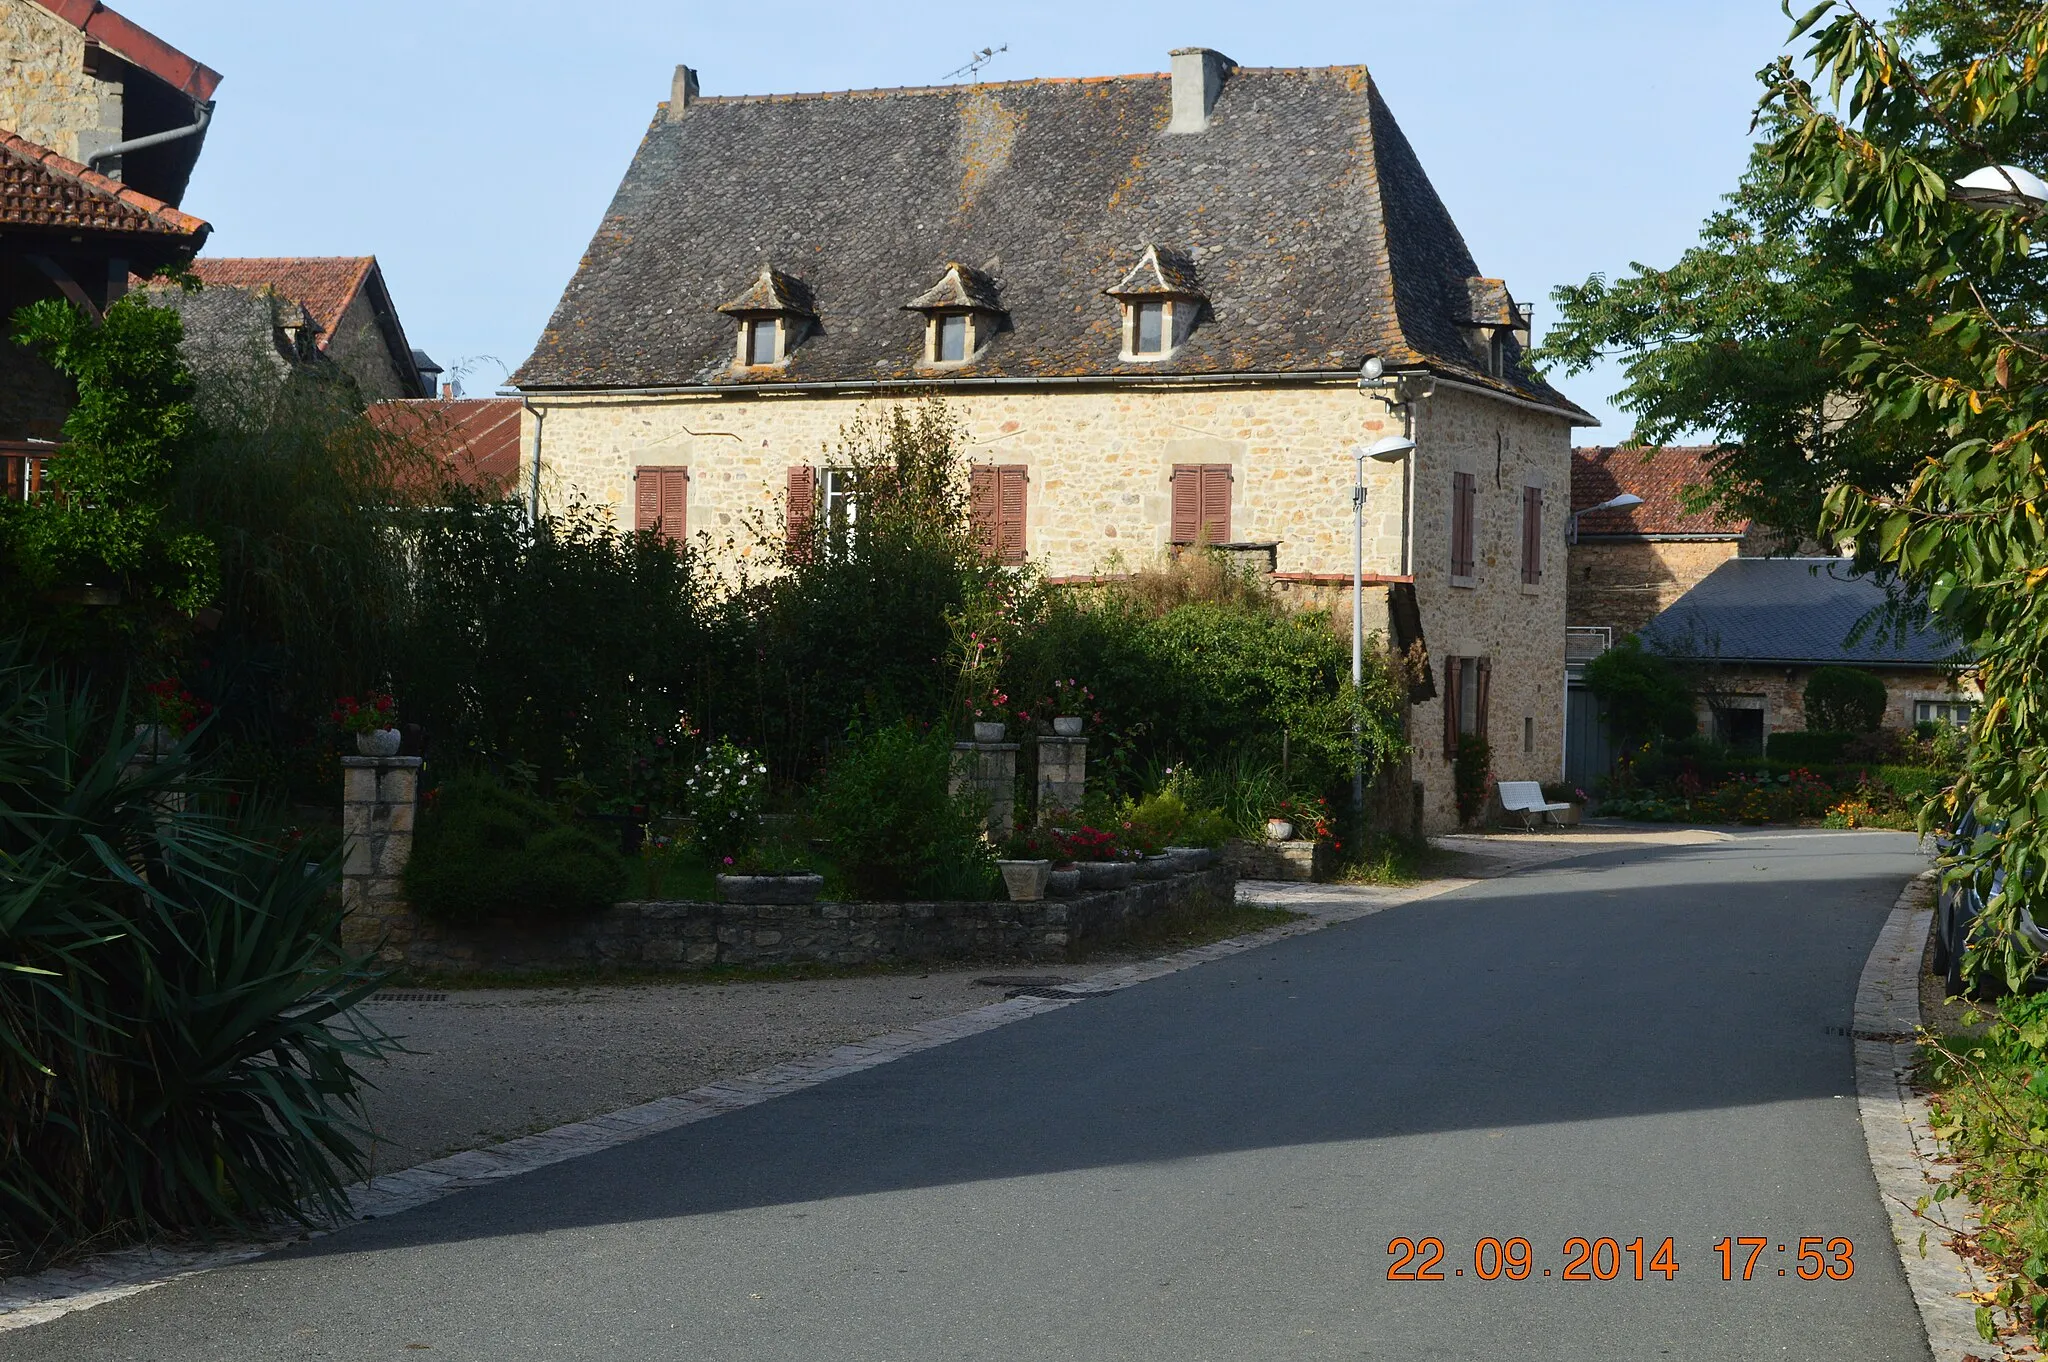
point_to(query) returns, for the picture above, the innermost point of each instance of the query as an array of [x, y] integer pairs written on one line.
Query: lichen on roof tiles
[[961, 286], [1318, 237]]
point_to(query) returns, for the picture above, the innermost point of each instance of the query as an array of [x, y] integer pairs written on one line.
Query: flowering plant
[[725, 792], [1086, 844], [1310, 816], [1067, 697], [171, 705], [373, 712]]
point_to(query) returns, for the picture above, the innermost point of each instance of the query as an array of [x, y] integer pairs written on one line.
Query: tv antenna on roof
[[979, 60]]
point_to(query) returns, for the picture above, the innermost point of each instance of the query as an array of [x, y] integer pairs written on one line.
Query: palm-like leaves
[[176, 1027]]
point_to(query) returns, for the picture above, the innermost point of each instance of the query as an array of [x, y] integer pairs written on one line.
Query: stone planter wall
[[1302, 859], [679, 935]]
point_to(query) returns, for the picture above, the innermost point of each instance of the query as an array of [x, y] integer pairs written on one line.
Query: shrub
[[1471, 772], [895, 828], [1811, 747], [1844, 700], [726, 791], [1642, 694], [1164, 819], [483, 851], [177, 1046]]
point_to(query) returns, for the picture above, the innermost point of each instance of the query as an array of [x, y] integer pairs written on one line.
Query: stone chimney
[[683, 93], [1198, 76]]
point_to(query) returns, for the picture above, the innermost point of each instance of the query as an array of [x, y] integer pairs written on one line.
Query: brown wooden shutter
[[1479, 698], [1464, 492], [661, 501], [1011, 482], [982, 509], [1532, 536], [799, 505], [1187, 503], [1215, 503], [1453, 695]]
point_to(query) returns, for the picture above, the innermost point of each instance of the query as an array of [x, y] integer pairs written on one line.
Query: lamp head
[[1373, 368], [2001, 187], [1620, 503], [1390, 449]]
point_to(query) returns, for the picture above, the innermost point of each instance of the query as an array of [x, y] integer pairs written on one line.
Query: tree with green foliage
[[1845, 700], [1643, 695], [108, 522]]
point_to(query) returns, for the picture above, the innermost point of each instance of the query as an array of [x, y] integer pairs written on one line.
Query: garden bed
[[687, 934]]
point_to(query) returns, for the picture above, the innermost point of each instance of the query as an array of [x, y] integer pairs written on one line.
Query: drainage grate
[[402, 996], [1023, 981], [1883, 1037], [1041, 989]]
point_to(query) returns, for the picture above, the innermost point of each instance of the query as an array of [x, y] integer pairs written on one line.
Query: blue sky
[[473, 147]]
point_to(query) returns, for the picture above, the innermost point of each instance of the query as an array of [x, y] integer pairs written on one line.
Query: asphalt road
[[1647, 1043]]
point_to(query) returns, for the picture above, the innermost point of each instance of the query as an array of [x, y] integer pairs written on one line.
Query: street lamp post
[[1620, 503], [1392, 449]]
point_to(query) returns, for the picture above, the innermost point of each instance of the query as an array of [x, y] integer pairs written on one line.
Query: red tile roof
[[39, 188], [476, 438], [1660, 477], [323, 285], [137, 45]]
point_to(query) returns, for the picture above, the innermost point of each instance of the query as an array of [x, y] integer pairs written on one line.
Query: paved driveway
[[1637, 1044]]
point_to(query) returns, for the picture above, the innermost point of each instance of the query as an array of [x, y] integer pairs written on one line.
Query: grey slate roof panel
[[1786, 610], [1318, 239]]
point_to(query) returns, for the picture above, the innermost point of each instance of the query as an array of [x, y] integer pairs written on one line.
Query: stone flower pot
[[984, 732], [1570, 816], [1191, 858], [1279, 830], [1025, 879], [157, 739], [1067, 725], [794, 886], [1064, 883], [1155, 867], [1105, 874], [378, 742]]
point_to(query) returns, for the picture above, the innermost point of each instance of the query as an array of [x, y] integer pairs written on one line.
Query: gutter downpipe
[[533, 495], [155, 139]]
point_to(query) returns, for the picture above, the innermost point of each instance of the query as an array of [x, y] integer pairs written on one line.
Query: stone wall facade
[[1781, 691], [45, 94], [361, 348], [1623, 584], [681, 935], [1100, 460]]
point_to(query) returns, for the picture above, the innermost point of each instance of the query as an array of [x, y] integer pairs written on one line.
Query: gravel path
[[490, 1064]]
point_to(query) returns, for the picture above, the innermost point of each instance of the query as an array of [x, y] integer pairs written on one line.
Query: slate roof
[[1788, 610], [1318, 238], [960, 286], [1659, 476], [40, 189]]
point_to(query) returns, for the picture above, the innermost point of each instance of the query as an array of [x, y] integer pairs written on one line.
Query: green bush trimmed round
[[482, 851]]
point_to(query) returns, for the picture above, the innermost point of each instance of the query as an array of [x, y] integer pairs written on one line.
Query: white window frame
[[1945, 711], [781, 333], [1169, 330], [974, 337], [838, 501]]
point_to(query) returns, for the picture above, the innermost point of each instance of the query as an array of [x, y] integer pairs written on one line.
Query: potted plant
[[1096, 855], [724, 794], [374, 722], [1026, 863], [742, 879], [168, 713]]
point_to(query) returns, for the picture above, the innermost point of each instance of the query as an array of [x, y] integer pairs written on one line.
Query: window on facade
[[1466, 682], [661, 501], [1532, 536], [1148, 323], [996, 509], [1497, 356], [1528, 733], [1201, 504], [838, 499], [1739, 725], [1464, 504], [950, 345], [1955, 712], [761, 341]]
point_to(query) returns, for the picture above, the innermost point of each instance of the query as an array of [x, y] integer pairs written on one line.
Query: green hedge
[[483, 851], [1809, 749]]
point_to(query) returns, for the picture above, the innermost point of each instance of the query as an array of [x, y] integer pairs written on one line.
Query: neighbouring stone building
[[76, 81], [1628, 565], [1752, 632], [1167, 308]]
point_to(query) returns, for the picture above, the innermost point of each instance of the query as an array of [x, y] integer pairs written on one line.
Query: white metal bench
[[1525, 797]]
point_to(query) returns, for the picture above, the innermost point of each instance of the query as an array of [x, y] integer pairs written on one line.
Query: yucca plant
[[177, 1028]]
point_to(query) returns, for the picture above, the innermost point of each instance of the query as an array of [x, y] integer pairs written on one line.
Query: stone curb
[[1904, 1154], [45, 1296]]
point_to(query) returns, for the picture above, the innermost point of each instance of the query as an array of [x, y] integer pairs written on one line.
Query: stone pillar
[[1062, 773], [379, 796], [988, 770]]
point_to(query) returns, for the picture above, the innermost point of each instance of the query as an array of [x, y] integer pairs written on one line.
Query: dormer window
[[1161, 302], [774, 316], [1495, 326], [1497, 355], [963, 312]]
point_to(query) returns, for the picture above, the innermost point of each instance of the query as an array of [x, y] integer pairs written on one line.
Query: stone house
[[293, 315], [1168, 308], [1628, 565], [1752, 632], [76, 81]]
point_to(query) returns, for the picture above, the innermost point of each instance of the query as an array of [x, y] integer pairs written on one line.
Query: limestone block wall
[[1783, 692], [1518, 628], [45, 95], [359, 347], [1625, 583], [1100, 462]]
